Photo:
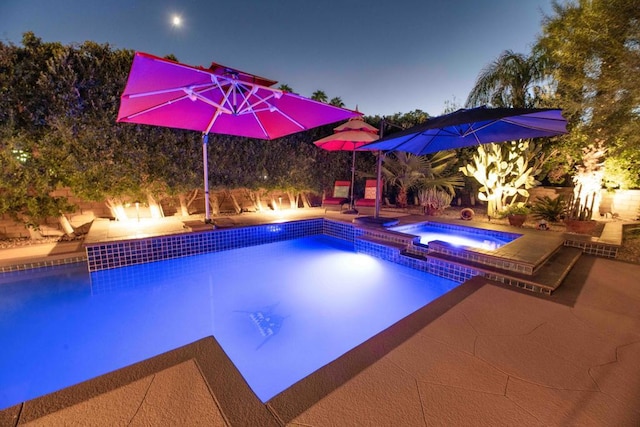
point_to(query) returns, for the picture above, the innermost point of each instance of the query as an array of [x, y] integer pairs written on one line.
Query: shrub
[[549, 209], [434, 199], [516, 209]]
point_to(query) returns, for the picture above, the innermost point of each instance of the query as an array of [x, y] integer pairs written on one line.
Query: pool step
[[545, 280]]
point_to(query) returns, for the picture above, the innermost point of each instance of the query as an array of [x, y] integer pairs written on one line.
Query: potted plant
[[578, 214], [516, 214], [588, 182]]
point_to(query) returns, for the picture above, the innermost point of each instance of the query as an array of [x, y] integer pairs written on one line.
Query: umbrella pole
[[352, 210], [378, 182], [379, 172], [205, 167], [353, 179]]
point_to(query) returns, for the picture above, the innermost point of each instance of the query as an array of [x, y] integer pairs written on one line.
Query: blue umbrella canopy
[[468, 127]]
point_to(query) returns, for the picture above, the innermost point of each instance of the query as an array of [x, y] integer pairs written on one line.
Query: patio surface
[[483, 354]]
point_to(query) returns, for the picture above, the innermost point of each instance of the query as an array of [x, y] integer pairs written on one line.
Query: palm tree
[[337, 102], [285, 88], [512, 80], [319, 95], [442, 172], [407, 171]]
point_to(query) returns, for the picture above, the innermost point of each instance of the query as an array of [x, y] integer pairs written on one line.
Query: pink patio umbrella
[[220, 99], [349, 136]]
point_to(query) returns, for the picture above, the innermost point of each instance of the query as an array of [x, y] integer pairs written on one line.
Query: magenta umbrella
[[219, 100], [349, 136]]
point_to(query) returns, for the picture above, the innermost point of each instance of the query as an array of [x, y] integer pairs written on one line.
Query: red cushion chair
[[370, 194], [340, 196]]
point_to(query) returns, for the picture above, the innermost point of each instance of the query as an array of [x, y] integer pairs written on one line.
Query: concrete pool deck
[[484, 354]]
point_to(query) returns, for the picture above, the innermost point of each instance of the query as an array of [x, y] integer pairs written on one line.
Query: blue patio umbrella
[[469, 127]]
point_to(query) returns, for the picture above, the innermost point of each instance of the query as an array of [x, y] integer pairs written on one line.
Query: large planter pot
[[467, 214], [517, 220], [580, 227]]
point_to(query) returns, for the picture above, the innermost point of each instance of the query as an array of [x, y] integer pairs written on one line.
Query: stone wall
[[623, 204]]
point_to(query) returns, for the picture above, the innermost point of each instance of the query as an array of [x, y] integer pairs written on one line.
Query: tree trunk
[[66, 225], [305, 200], [116, 208], [214, 204], [184, 210], [401, 199], [293, 201], [236, 206], [256, 197], [154, 207]]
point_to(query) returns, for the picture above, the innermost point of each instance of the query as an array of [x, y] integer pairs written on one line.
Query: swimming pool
[[280, 311], [458, 235]]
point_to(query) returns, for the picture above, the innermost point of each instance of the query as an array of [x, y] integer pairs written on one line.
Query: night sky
[[383, 57]]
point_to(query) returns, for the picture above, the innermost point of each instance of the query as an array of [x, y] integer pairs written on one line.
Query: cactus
[[505, 172], [579, 209]]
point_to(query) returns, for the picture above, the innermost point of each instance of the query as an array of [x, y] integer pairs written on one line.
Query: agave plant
[[549, 209], [434, 200]]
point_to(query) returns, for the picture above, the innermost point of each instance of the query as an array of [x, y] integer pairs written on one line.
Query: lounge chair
[[370, 194], [340, 196]]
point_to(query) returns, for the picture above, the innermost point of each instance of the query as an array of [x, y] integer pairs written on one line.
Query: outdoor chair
[[370, 194], [340, 196]]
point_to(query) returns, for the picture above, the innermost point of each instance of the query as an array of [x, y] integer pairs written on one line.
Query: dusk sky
[[384, 57]]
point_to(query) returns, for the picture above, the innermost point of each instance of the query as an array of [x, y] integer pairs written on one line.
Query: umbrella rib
[[213, 121], [541, 128], [245, 98], [169, 90], [250, 109], [155, 107], [474, 131], [226, 94], [288, 117], [208, 101]]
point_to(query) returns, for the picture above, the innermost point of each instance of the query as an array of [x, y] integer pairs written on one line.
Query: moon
[[176, 21]]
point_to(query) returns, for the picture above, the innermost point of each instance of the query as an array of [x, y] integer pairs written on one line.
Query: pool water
[[473, 238], [280, 311]]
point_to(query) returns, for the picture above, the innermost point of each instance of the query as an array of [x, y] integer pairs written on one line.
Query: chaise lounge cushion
[[369, 199], [340, 194]]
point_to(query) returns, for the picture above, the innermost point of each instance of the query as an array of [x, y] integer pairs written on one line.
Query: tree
[[593, 49], [408, 171], [31, 167], [319, 96], [337, 101], [285, 88], [512, 80], [441, 172]]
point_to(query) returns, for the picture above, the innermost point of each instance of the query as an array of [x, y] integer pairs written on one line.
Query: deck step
[[546, 280], [556, 268]]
